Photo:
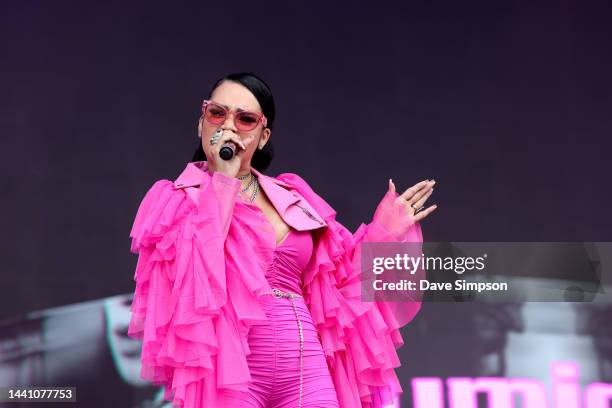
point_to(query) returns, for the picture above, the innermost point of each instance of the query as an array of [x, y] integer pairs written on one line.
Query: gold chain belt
[[277, 293]]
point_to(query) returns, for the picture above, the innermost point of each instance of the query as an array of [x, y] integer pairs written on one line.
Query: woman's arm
[[180, 309], [225, 190]]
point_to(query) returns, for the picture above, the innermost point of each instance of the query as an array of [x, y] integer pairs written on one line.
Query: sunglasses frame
[[260, 116]]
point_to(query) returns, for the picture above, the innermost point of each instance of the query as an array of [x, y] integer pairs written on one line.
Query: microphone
[[227, 150]]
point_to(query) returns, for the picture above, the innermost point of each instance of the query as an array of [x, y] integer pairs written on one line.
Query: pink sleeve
[[390, 223], [359, 338], [180, 308], [226, 191]]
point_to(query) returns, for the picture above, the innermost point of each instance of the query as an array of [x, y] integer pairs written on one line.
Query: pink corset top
[[290, 258]]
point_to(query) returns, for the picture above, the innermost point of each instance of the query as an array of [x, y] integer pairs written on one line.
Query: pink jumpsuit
[[275, 358]]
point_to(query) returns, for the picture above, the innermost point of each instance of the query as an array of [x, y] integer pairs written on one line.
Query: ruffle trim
[[192, 308]]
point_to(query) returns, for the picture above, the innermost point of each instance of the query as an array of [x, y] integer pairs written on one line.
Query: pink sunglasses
[[244, 120]]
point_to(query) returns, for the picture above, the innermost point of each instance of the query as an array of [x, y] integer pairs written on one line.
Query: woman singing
[[248, 290]]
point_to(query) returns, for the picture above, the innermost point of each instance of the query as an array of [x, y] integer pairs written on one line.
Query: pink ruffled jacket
[[203, 253]]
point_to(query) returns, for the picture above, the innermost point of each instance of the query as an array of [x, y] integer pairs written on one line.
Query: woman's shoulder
[[159, 211], [158, 195]]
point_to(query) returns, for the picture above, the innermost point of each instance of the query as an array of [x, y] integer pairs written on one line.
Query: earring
[[261, 147]]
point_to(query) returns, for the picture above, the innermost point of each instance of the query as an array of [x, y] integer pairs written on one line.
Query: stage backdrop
[[506, 105]]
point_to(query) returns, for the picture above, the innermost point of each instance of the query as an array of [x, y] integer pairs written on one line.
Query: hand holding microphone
[[225, 145], [228, 148]]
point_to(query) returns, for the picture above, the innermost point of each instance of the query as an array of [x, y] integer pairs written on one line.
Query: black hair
[[261, 158]]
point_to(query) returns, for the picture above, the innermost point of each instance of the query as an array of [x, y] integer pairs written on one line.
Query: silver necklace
[[250, 182], [255, 190], [253, 180]]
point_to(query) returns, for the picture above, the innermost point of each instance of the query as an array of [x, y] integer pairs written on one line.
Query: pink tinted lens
[[246, 120], [215, 114]]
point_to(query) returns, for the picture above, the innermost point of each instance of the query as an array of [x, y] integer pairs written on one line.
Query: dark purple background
[[506, 105]]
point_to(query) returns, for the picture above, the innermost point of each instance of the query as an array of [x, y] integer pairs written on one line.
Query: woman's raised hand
[[398, 212], [413, 199]]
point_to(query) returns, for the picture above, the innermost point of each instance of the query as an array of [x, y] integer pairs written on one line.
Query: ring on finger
[[416, 210], [215, 137]]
